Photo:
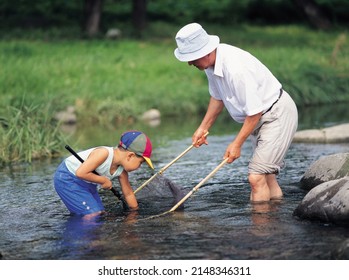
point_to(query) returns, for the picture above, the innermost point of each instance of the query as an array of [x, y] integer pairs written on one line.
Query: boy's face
[[133, 162]]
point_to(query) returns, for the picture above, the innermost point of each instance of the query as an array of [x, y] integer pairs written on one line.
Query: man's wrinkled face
[[201, 63]]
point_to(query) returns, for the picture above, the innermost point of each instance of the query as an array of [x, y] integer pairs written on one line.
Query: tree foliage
[[57, 13]]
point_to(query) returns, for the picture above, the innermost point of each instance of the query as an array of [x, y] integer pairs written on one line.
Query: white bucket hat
[[193, 42]]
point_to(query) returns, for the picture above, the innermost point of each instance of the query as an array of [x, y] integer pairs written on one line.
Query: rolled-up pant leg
[[273, 136]]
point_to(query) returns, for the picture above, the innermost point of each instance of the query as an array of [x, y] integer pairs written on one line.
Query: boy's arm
[[128, 191], [95, 159]]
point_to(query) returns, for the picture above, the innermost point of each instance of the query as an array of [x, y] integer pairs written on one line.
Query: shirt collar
[[118, 171], [218, 67]]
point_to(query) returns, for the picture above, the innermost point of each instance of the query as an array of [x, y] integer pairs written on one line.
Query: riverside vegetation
[[109, 82]]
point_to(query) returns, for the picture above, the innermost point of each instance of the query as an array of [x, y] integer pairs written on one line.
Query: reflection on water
[[262, 216], [177, 129], [217, 222]]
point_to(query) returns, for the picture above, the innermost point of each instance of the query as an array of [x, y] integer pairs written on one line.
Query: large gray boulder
[[326, 169], [328, 202], [334, 134], [328, 198]]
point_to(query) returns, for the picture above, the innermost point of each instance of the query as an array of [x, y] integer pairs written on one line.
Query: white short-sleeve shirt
[[242, 82]]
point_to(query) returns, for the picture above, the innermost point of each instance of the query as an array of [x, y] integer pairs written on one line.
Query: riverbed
[[217, 222]]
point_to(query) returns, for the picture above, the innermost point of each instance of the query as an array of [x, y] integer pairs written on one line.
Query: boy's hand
[[107, 184]]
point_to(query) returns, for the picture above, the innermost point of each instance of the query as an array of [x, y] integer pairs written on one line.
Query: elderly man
[[252, 96]]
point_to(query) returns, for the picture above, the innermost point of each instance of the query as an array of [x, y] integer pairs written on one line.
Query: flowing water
[[217, 222]]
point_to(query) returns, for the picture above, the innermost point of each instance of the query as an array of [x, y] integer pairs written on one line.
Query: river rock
[[151, 114], [325, 169], [66, 117], [152, 117], [334, 134], [328, 202], [113, 34]]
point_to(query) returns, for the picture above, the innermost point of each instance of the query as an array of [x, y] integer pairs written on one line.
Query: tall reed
[[28, 133]]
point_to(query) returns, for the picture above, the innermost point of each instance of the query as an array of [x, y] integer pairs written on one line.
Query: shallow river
[[217, 222]]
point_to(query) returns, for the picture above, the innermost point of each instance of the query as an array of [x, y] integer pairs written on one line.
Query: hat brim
[[148, 161], [208, 48]]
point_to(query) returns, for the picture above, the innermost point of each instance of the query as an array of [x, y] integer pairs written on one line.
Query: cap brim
[[210, 47], [148, 161]]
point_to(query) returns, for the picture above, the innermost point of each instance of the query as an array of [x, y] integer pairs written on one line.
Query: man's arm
[[233, 151], [215, 107]]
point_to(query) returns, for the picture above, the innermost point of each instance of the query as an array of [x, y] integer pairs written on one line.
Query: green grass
[[28, 133], [136, 75], [132, 76], [114, 81]]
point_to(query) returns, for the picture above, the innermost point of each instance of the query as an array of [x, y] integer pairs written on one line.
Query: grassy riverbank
[[112, 81]]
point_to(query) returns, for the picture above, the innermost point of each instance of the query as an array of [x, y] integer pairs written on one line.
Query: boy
[[76, 184]]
